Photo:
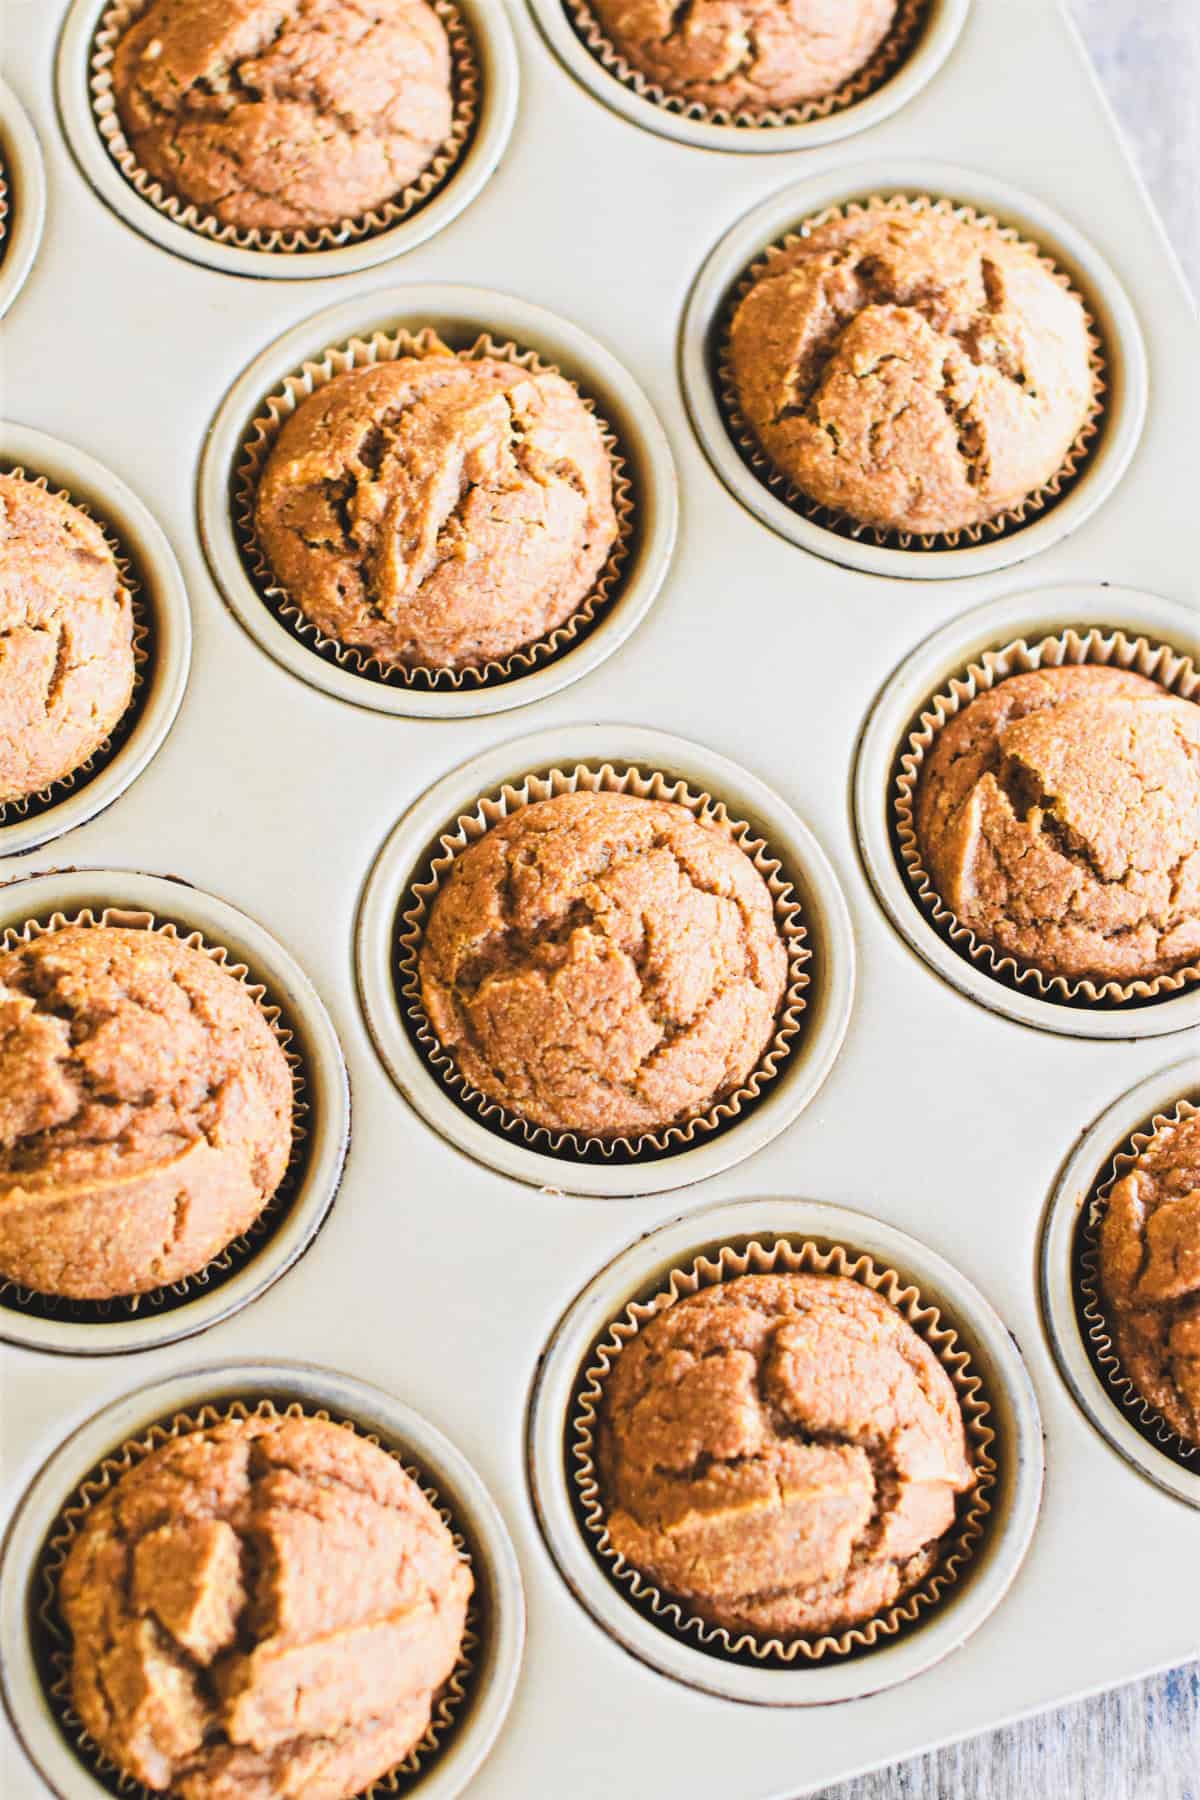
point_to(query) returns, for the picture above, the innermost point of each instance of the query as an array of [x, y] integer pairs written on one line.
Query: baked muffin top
[[1150, 1273], [1058, 816], [915, 370], [262, 1607], [278, 115], [145, 1111], [437, 512], [602, 964], [66, 639], [783, 1452], [756, 55]]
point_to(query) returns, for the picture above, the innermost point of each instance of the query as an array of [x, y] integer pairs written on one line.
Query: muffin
[[734, 55], [66, 639], [781, 1453], [914, 370], [145, 1111], [438, 512], [262, 1607], [1058, 817], [602, 964], [281, 115], [1150, 1273]]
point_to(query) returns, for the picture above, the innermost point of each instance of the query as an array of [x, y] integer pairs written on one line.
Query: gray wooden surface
[[1142, 1742]]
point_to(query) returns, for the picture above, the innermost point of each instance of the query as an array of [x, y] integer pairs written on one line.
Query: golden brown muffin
[[1150, 1273], [914, 370], [602, 964], [783, 1453], [438, 513], [145, 1111], [1058, 816], [66, 639], [284, 114], [729, 55], [262, 1608]]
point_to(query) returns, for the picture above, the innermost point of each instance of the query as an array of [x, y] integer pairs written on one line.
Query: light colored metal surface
[[26, 180]]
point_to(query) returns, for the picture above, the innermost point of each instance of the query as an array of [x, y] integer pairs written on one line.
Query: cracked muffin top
[[262, 1607], [914, 370], [66, 639], [438, 512], [754, 55], [782, 1452], [604, 965], [145, 1111], [278, 115], [1150, 1273], [1058, 816]]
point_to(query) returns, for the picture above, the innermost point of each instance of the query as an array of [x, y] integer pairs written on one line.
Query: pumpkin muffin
[[734, 55], [1150, 1273], [280, 115], [914, 370], [145, 1111], [782, 1453], [259, 1608], [602, 964], [438, 512], [66, 639], [1058, 816]]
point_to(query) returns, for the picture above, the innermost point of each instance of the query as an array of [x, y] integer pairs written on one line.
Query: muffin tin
[[746, 665]]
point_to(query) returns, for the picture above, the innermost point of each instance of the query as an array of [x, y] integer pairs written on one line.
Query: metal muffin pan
[[499, 1599], [434, 1277], [499, 82], [25, 178]]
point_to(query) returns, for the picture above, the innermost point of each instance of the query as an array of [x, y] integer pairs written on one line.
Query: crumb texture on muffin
[[756, 55], [264, 1607], [914, 370], [145, 1111], [438, 511], [66, 639], [781, 1452], [1150, 1273], [603, 964], [280, 115], [1058, 816]]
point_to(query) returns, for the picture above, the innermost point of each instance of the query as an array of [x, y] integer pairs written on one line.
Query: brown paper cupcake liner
[[54, 1649], [895, 48], [1089, 1300], [32, 806], [467, 829], [116, 19], [240, 1250], [383, 347], [1176, 675], [5, 209], [775, 1256], [1003, 524]]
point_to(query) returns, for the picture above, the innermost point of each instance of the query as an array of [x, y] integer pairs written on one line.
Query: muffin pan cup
[[1000, 1409], [1072, 1320], [1103, 460], [476, 1698], [22, 196], [48, 902]]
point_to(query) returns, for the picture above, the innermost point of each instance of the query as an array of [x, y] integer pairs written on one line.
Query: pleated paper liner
[[240, 1250], [1090, 1308], [52, 1636], [901, 39], [772, 1255], [1175, 674], [384, 347], [467, 829], [32, 806], [117, 18], [1003, 524]]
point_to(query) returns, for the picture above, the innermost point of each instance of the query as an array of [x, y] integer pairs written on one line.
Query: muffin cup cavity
[[782, 1256], [359, 353], [22, 197]]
